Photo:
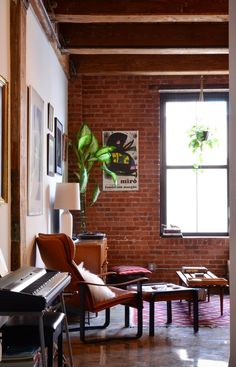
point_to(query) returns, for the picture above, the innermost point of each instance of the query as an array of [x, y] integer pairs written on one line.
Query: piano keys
[[31, 289]]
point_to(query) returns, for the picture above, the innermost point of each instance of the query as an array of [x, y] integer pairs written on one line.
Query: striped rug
[[209, 313]]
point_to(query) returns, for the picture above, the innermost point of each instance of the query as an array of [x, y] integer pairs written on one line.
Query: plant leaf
[[110, 173], [83, 179], [84, 130], [105, 149], [96, 193], [106, 157], [83, 141], [93, 146]]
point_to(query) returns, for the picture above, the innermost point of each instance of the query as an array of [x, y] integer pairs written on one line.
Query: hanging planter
[[200, 138]]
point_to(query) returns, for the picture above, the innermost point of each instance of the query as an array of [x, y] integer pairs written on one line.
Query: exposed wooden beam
[[45, 22], [151, 64], [18, 129], [146, 51], [145, 35], [134, 18], [140, 7]]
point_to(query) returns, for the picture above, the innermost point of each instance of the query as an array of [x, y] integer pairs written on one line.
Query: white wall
[[46, 76], [232, 134], [5, 72]]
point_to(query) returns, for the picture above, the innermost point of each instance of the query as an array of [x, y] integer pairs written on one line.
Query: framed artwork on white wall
[[50, 155], [3, 140], [35, 152], [58, 146]]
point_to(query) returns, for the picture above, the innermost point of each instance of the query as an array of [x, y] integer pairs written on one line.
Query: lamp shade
[[67, 196]]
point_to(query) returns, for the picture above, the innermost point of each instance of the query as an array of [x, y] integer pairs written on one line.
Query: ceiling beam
[[134, 18], [45, 22], [140, 7], [146, 51], [150, 64]]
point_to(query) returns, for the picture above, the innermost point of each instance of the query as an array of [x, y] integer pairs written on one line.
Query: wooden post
[[18, 128]]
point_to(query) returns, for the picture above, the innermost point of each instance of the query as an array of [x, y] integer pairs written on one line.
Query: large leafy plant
[[89, 154]]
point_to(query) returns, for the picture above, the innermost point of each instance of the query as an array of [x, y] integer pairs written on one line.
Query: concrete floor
[[171, 346]]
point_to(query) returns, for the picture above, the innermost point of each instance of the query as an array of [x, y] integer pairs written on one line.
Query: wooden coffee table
[[204, 280], [156, 292]]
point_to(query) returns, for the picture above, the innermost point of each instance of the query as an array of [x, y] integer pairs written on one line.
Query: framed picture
[[124, 160], [58, 146], [64, 146], [50, 155], [3, 140], [35, 153], [50, 117]]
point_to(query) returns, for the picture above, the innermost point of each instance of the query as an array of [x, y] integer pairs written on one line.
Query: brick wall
[[131, 220]]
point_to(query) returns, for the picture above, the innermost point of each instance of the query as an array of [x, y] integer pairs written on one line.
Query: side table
[[207, 280], [156, 292]]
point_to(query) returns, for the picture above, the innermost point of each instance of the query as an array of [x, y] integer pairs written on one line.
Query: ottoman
[[124, 273]]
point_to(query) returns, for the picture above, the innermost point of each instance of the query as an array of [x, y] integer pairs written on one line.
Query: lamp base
[[66, 223]]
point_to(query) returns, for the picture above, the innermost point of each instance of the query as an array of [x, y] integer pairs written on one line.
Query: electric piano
[[31, 289]]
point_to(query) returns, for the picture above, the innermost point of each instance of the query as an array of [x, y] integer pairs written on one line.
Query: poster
[[124, 160]]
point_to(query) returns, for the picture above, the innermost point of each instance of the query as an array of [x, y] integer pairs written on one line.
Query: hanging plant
[[201, 137]]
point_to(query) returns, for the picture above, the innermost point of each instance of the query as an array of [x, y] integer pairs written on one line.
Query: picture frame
[[64, 147], [124, 160], [3, 140], [58, 146], [35, 152], [50, 117], [50, 155]]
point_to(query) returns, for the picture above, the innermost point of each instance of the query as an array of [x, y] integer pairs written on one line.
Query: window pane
[[197, 201], [181, 199], [212, 201], [181, 116]]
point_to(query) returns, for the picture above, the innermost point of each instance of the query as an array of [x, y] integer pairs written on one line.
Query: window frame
[[171, 96]]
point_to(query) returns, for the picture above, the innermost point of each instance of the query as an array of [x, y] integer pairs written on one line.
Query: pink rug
[[209, 313]]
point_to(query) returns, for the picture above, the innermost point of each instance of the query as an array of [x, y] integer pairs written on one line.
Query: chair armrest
[[138, 280], [107, 273], [133, 281], [69, 294]]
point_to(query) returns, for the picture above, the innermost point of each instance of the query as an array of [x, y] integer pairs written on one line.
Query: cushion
[[98, 293], [128, 269]]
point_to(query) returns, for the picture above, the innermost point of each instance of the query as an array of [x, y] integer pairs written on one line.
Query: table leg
[[208, 293], [195, 310], [151, 318], [222, 300], [169, 312]]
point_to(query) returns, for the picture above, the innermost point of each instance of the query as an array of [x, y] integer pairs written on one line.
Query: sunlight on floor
[[183, 355], [211, 363]]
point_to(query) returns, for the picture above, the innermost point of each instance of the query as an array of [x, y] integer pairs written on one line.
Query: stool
[[21, 330], [125, 273]]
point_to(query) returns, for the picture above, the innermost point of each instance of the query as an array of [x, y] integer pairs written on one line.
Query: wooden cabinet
[[93, 253]]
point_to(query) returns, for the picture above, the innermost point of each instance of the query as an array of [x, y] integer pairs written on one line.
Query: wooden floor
[[171, 346]]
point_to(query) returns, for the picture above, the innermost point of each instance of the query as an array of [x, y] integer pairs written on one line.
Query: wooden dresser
[[93, 253]]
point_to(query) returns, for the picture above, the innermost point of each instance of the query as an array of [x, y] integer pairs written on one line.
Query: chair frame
[[83, 286]]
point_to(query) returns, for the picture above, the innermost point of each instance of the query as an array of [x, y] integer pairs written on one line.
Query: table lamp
[[67, 197]]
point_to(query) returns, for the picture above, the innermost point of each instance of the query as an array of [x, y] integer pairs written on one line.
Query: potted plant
[[200, 138], [89, 154]]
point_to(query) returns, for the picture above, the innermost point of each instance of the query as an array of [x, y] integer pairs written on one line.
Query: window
[[196, 200]]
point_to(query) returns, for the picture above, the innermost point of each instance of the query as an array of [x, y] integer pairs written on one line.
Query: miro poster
[[124, 160]]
